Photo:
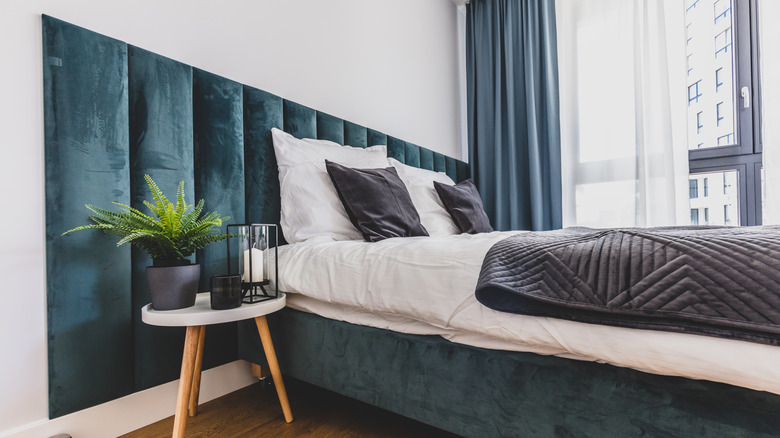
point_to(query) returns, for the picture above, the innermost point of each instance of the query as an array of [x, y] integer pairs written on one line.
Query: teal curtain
[[513, 115]]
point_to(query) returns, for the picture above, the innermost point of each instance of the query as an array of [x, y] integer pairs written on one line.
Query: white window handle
[[745, 97]]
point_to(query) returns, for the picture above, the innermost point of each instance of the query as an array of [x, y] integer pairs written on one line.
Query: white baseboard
[[136, 410]]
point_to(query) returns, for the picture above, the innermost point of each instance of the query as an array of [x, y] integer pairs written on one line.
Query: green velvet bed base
[[483, 393]]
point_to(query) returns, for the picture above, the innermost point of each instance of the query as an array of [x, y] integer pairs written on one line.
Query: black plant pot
[[173, 287]]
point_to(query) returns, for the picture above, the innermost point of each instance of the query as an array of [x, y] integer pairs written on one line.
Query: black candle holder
[[252, 255]]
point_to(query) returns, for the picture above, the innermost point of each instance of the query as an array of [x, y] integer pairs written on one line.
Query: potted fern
[[169, 235]]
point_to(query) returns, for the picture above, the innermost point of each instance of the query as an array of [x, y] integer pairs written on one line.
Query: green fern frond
[[193, 215], [171, 231], [138, 213]]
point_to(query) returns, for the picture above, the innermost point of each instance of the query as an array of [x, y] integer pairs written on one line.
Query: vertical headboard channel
[[109, 120]]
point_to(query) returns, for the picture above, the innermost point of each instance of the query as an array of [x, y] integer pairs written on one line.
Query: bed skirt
[[477, 392]]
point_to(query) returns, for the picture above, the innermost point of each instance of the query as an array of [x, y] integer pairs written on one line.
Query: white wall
[[769, 45], [388, 65]]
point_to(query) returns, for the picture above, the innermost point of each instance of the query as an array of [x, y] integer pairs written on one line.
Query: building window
[[718, 113], [722, 9], [722, 42], [706, 216], [688, 64], [693, 92], [726, 215], [691, 4], [688, 36], [694, 216], [718, 79], [693, 185], [725, 140], [699, 123], [706, 188]]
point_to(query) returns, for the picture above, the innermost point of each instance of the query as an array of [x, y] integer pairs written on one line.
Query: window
[[693, 93], [694, 216], [699, 125], [688, 64], [688, 37], [729, 149], [722, 9], [706, 216], [694, 188], [691, 4], [706, 188], [722, 42]]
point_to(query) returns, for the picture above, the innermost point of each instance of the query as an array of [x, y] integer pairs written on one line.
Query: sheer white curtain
[[623, 112], [770, 105]]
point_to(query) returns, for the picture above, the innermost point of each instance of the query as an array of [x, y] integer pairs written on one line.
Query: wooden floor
[[255, 411]]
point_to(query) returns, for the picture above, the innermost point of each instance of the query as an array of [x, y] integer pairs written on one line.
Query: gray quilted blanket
[[716, 281]]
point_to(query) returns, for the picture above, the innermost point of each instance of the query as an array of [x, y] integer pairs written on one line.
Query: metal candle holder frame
[[255, 291]]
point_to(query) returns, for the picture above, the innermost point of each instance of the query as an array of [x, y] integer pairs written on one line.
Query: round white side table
[[196, 318]]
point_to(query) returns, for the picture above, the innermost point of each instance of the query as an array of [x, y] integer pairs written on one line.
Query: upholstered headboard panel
[[112, 113]]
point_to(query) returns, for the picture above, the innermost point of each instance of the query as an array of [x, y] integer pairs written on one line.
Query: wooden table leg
[[195, 391], [185, 380], [276, 373]]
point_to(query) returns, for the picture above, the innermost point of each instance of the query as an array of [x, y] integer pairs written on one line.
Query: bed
[[360, 322], [435, 372]]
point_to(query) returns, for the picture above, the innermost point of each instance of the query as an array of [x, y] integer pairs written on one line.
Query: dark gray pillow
[[376, 201], [464, 204]]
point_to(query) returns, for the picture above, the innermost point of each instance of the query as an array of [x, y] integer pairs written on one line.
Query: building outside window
[[722, 9], [699, 124], [725, 140], [687, 34], [721, 41], [693, 93], [693, 186], [718, 79], [694, 216]]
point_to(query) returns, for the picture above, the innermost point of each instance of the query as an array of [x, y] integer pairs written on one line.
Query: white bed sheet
[[425, 285]]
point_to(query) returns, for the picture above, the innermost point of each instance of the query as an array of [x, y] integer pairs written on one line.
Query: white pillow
[[311, 207], [419, 183], [291, 151]]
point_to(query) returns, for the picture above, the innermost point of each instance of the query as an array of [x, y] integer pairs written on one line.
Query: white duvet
[[425, 285]]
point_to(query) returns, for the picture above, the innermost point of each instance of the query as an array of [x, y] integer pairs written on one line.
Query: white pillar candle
[[257, 266]]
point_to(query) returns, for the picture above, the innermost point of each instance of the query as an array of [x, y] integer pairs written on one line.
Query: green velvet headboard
[[112, 113]]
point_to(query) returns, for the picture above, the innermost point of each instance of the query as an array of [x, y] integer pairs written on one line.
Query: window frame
[[693, 189], [729, 40], [698, 92], [745, 154], [722, 14]]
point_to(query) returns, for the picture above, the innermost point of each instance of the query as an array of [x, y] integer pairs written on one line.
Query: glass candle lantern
[[251, 254]]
